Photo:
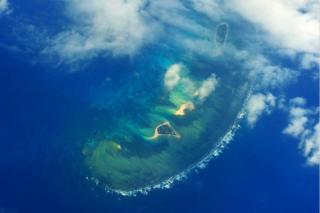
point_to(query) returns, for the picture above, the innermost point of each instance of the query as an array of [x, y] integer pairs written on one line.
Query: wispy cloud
[[298, 118], [259, 104], [268, 75], [172, 76], [117, 27], [4, 6], [287, 24], [177, 75], [304, 126], [123, 28], [211, 8], [207, 87]]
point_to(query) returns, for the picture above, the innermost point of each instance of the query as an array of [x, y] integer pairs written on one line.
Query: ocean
[[260, 171]]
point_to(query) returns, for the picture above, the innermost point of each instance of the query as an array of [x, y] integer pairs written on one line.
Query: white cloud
[[116, 27], [290, 27], [304, 127], [4, 6], [298, 122], [291, 24], [298, 101], [310, 61], [311, 145], [267, 75], [257, 105], [211, 8], [298, 117], [173, 13], [207, 87], [177, 74], [123, 28], [172, 76]]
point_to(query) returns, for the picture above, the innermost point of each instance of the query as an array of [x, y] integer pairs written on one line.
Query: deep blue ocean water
[[261, 170]]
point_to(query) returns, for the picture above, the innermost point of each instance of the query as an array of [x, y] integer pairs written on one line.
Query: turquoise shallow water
[[116, 150], [52, 119]]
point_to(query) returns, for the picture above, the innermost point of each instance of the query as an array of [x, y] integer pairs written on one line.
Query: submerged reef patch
[[179, 128]]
